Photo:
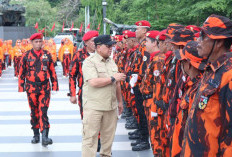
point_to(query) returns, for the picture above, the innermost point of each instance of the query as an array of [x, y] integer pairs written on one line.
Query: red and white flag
[[36, 25], [53, 27], [80, 30], [98, 26], [88, 27], [71, 27], [62, 27]]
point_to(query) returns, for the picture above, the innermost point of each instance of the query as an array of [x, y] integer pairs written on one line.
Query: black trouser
[[143, 127]]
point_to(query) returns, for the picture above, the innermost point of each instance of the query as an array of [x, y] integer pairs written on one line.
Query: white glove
[[132, 91], [54, 92], [133, 80], [154, 114]]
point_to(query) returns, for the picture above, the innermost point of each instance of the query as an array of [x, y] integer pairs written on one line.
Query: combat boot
[[143, 145], [45, 140], [134, 143], [134, 136], [131, 126], [133, 132], [36, 137]]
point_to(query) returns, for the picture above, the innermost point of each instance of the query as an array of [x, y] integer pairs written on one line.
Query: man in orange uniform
[[132, 121], [6, 55], [52, 49], [146, 87], [35, 73], [66, 55], [139, 66], [75, 74], [10, 51], [1, 61], [208, 127], [17, 55], [24, 45], [192, 66]]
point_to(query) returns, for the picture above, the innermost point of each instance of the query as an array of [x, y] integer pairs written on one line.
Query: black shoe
[[131, 126], [133, 132], [134, 137], [130, 118], [134, 143], [45, 140], [36, 137], [99, 145], [141, 146]]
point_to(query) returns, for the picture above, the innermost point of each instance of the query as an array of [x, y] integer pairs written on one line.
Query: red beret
[[143, 23], [36, 36], [90, 34], [162, 35], [152, 34], [118, 38], [129, 34], [123, 33], [193, 28]]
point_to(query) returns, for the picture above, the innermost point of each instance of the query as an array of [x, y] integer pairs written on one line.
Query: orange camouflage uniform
[[208, 130], [158, 130], [75, 73], [35, 73], [185, 105]]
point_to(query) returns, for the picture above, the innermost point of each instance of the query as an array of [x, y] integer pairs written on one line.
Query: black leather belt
[[37, 83]]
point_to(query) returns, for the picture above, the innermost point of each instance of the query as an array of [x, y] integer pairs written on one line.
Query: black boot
[[99, 145], [134, 136], [141, 146], [133, 132], [45, 140], [131, 126], [134, 143], [36, 137]]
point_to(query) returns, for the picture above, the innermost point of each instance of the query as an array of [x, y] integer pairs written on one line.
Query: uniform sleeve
[[158, 73], [73, 71], [226, 97], [22, 74], [89, 70], [53, 75]]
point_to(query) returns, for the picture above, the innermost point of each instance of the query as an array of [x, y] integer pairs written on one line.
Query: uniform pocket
[[101, 72], [208, 98]]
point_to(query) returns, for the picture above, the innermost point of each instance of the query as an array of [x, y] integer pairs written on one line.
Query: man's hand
[[120, 108], [119, 77], [73, 99]]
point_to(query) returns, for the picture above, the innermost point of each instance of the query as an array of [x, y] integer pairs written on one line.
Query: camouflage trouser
[[16, 65], [66, 62], [39, 104], [158, 133]]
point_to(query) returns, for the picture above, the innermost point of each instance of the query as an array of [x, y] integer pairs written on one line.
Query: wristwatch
[[112, 79]]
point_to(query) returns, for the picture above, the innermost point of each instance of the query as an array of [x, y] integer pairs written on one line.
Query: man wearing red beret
[[132, 45], [35, 73], [75, 71], [139, 66]]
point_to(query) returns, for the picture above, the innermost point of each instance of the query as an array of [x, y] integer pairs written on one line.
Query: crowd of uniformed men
[[178, 88]]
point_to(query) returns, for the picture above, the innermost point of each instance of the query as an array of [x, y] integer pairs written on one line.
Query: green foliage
[[159, 13]]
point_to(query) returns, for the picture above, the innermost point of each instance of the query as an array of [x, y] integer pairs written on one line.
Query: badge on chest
[[203, 102]]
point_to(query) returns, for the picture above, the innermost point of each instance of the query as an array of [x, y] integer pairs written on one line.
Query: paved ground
[[15, 132]]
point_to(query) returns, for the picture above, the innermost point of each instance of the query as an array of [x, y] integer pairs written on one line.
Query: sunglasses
[[202, 35]]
